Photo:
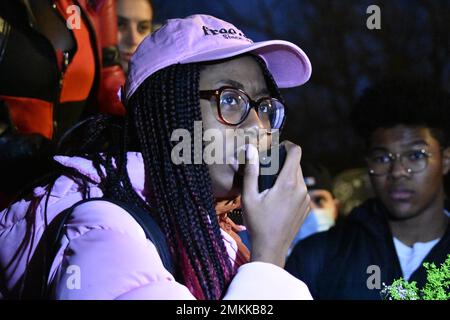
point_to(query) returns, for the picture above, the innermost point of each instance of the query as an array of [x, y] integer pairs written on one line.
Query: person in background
[[134, 20], [59, 63], [406, 127]]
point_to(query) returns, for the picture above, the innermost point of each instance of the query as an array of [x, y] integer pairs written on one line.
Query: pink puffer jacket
[[104, 253]]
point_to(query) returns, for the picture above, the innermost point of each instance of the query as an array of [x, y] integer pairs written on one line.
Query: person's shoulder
[[100, 214], [370, 217], [368, 207], [322, 242], [106, 243], [41, 204], [313, 246], [322, 238]]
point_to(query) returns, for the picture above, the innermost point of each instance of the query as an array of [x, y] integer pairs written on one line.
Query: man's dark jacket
[[342, 263]]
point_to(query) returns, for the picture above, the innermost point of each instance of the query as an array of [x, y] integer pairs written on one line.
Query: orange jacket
[[93, 74]]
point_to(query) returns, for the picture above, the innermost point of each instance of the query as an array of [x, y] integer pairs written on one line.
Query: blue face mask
[[323, 219], [317, 220]]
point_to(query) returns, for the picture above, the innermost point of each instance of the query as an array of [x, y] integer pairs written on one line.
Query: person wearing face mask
[[134, 21], [324, 206]]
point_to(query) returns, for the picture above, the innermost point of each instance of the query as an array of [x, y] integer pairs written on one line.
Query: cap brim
[[287, 63]]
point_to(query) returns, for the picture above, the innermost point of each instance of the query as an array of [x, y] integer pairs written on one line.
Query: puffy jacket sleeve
[[265, 281], [105, 255]]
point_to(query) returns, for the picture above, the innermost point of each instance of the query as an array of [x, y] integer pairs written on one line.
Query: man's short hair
[[406, 102]]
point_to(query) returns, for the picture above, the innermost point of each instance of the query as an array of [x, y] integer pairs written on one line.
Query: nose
[[255, 128], [132, 36], [398, 170]]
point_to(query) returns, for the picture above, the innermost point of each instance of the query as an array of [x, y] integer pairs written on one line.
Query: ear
[[446, 161]]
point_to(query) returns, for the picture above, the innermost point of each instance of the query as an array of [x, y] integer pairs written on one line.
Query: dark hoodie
[[336, 264]]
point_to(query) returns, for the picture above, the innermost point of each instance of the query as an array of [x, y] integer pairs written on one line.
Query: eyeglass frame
[[395, 156], [207, 94]]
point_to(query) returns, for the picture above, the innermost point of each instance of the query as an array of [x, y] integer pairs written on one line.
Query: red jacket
[[90, 80]]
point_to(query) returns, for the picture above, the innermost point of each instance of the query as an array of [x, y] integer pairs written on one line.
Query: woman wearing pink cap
[[155, 227]]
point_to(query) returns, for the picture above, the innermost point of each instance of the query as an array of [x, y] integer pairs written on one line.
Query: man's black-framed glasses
[[413, 161], [234, 105]]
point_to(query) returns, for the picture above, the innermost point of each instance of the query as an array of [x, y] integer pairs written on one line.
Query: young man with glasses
[[406, 129]]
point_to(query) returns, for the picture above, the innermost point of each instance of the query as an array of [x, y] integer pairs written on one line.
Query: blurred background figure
[[324, 206], [59, 63], [352, 187], [134, 18]]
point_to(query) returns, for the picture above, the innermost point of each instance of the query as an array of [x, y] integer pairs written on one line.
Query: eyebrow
[[124, 19], [231, 83], [417, 142], [409, 144], [239, 85]]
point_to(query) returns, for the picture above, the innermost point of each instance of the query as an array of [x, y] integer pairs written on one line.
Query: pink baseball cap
[[199, 38]]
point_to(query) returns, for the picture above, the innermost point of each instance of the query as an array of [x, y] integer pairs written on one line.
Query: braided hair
[[182, 195], [179, 197]]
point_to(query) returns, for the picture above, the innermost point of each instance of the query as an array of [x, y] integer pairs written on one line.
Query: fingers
[[291, 173], [251, 173]]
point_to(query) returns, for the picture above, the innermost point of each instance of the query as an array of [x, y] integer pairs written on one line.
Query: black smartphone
[[270, 164]]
